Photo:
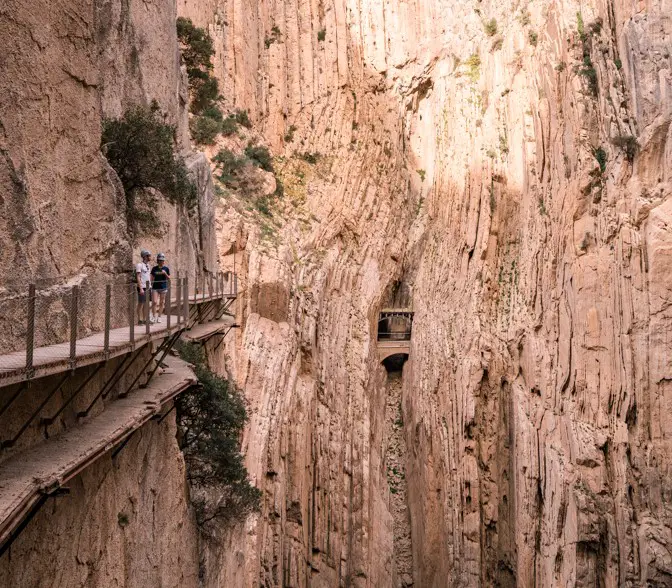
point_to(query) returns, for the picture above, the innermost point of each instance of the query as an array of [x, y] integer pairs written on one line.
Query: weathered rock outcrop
[[66, 66], [508, 165], [514, 173]]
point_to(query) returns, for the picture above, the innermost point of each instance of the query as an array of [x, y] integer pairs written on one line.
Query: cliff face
[[514, 175], [65, 66], [505, 165], [126, 521]]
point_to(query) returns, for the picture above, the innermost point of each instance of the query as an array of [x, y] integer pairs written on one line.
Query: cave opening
[[395, 362]]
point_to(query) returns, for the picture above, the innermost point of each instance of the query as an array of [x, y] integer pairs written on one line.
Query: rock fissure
[[394, 463]]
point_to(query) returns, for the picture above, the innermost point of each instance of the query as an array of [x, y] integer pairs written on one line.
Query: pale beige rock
[[535, 401]]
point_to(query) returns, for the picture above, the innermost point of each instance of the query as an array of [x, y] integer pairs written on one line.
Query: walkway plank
[[27, 476], [53, 359], [206, 330]]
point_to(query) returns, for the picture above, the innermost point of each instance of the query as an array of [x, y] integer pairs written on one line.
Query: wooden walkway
[[207, 330], [29, 476], [54, 359]]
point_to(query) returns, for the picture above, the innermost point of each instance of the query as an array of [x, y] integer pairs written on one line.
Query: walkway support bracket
[[49, 420], [13, 440]]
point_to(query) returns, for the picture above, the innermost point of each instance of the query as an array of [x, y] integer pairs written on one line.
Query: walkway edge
[[143, 404]]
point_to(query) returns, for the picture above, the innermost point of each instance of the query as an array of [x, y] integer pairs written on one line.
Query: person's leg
[[155, 304], [140, 307], [163, 301]]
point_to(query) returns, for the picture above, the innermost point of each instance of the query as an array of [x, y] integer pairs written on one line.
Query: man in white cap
[[142, 278]]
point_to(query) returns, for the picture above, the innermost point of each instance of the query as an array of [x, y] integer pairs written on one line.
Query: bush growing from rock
[[210, 420], [229, 126], [228, 164], [243, 118], [140, 148], [197, 49], [204, 130], [490, 27], [260, 156]]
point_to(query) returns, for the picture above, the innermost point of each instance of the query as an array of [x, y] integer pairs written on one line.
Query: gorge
[[499, 168]]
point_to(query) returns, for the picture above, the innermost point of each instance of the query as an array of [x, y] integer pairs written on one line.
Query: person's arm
[[138, 273], [151, 278], [166, 272]]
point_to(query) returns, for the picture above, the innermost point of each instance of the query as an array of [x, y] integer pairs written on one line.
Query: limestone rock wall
[[125, 522], [515, 179], [64, 67]]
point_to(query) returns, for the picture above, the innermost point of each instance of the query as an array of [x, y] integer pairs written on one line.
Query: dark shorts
[[141, 297]]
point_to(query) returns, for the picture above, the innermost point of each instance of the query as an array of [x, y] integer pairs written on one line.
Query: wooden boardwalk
[[207, 330], [54, 359], [29, 476]]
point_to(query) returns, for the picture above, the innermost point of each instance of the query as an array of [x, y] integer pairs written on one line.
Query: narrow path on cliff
[[395, 466]]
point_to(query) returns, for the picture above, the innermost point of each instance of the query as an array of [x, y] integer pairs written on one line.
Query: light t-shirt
[[144, 270]]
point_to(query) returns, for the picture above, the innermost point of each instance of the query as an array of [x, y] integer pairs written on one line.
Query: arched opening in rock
[[395, 362]]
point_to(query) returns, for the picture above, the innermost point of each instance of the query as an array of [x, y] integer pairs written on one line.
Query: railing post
[[132, 304], [30, 330], [168, 313], [211, 293], [203, 285], [185, 302], [178, 301], [235, 285], [108, 301], [73, 327], [146, 309]]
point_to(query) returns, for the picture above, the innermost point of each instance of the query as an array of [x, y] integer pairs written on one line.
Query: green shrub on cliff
[[243, 118], [197, 49], [228, 165], [490, 27], [140, 148], [260, 156], [196, 46], [211, 420]]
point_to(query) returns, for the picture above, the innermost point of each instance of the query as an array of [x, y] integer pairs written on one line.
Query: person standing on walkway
[[160, 277], [143, 279]]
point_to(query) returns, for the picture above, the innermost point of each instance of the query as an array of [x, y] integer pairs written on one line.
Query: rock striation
[[508, 163]]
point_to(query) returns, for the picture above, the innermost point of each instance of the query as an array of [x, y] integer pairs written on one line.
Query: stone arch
[[394, 360]]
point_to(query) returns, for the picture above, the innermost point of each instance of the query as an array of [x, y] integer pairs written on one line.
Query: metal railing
[[213, 285], [59, 323], [52, 321], [394, 336]]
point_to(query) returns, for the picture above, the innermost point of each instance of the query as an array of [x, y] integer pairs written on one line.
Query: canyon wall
[[66, 66], [507, 162], [126, 521]]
